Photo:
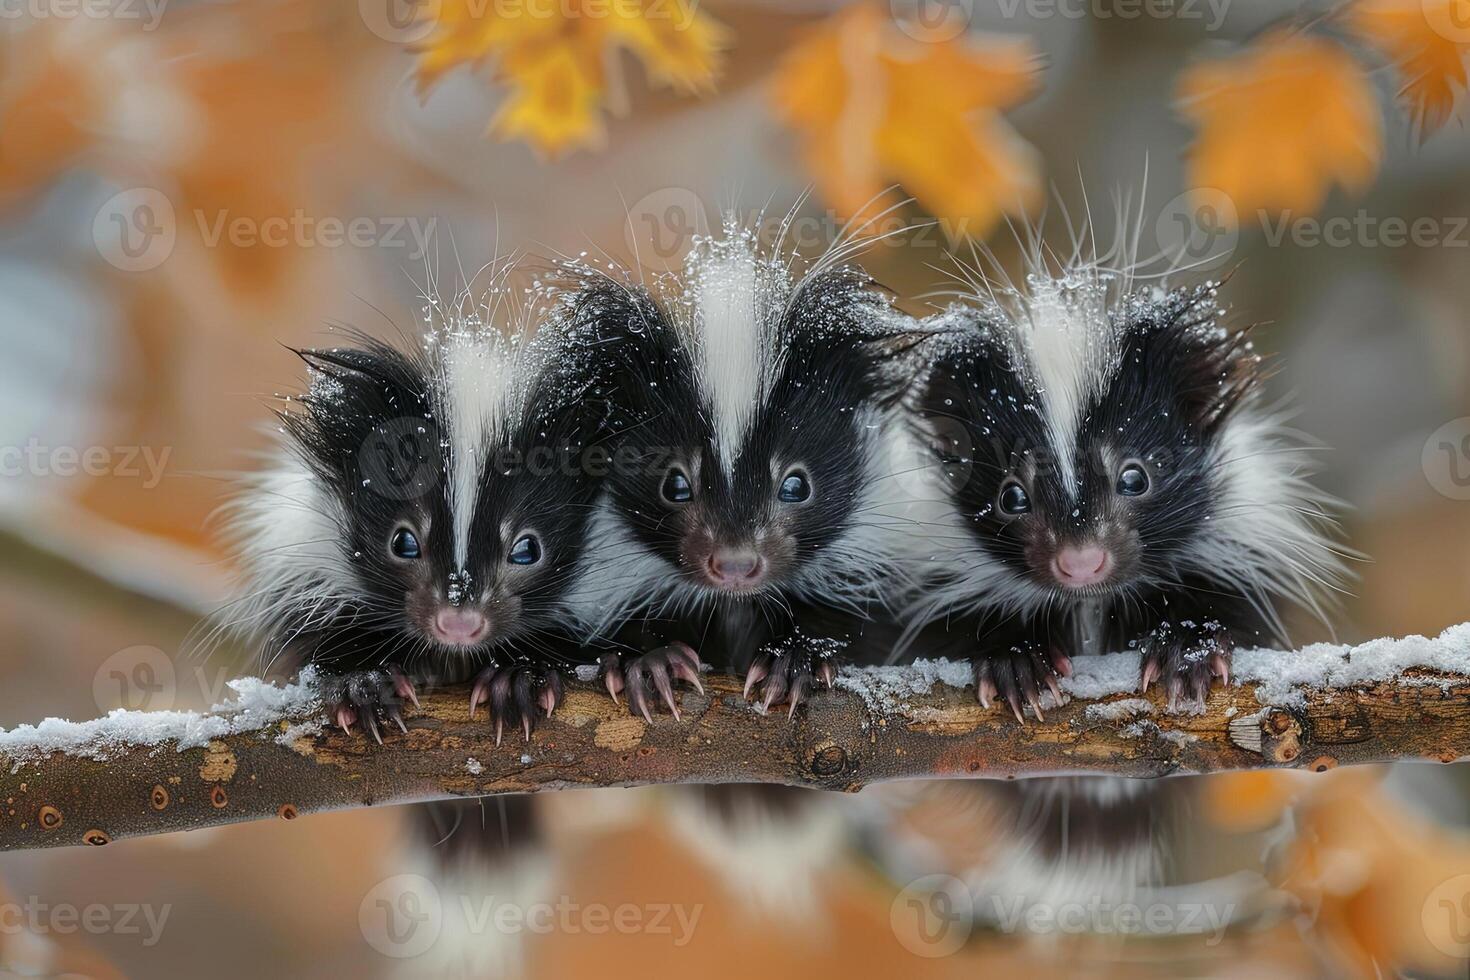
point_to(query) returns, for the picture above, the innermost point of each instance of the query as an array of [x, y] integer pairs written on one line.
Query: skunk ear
[[1210, 372], [900, 358]]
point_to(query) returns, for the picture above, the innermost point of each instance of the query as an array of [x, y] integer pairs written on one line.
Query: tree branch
[[269, 754]]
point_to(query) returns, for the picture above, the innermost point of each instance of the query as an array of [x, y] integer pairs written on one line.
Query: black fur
[[1179, 381], [838, 364]]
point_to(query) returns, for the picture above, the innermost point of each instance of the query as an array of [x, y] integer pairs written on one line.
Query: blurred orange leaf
[[555, 56], [1249, 800], [1390, 890], [873, 105], [1280, 122], [1427, 40]]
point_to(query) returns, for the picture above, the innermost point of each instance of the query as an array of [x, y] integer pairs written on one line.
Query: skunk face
[[738, 521], [450, 486], [1094, 442], [1111, 484], [747, 426]]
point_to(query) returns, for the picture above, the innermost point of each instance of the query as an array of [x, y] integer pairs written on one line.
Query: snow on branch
[[269, 753]]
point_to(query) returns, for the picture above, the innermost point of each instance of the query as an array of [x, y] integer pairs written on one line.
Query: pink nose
[[736, 569], [1087, 565], [459, 627]]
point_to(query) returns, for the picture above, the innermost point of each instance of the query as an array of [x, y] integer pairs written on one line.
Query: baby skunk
[[752, 485], [423, 519], [1114, 482]]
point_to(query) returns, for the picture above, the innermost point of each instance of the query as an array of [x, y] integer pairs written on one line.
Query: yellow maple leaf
[[872, 105], [553, 57], [1281, 121], [1427, 41]]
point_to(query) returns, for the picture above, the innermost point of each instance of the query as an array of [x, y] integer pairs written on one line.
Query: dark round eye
[[404, 544], [526, 551], [1014, 499], [794, 488], [1133, 480], [676, 488]]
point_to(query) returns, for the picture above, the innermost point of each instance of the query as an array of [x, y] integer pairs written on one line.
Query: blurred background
[[188, 187]]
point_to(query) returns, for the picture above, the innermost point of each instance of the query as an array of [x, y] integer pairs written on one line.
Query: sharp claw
[[371, 724], [826, 672], [526, 727], [759, 671], [404, 688], [499, 730], [985, 690], [1056, 690], [345, 717], [1150, 674], [1035, 703], [1063, 664], [550, 694], [682, 669], [665, 690], [396, 717], [684, 651], [479, 694], [1015, 703], [799, 689], [1221, 667], [638, 700]]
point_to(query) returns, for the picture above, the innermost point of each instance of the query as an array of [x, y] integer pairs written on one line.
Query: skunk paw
[[1186, 657], [373, 697], [516, 693], [784, 674], [1016, 675], [655, 671]]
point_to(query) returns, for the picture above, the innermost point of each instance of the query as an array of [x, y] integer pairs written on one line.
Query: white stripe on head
[[478, 389], [735, 296], [1069, 346]]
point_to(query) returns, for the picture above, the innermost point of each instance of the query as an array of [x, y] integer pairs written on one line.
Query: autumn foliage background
[[563, 126]]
